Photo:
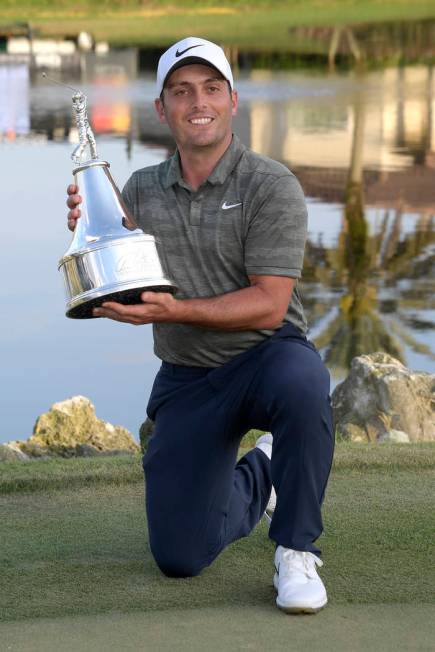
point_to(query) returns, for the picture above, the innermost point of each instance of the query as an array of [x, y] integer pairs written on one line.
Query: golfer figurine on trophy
[[110, 258]]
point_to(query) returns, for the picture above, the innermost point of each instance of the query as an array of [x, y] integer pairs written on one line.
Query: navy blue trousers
[[198, 497]]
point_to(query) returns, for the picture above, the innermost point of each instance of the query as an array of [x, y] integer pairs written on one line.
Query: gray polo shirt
[[248, 217]]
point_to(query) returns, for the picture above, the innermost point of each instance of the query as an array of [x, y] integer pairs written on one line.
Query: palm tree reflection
[[363, 268]]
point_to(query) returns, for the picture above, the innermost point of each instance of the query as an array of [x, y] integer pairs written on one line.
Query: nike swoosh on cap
[[179, 54], [226, 206]]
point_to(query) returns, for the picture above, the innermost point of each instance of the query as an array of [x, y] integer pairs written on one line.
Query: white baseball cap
[[192, 50]]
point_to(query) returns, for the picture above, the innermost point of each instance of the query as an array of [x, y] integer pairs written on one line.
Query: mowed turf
[[83, 549], [338, 628]]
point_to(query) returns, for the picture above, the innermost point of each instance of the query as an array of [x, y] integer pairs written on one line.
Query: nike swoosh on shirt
[[226, 206], [179, 54]]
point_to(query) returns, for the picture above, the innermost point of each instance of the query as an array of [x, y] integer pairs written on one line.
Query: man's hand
[[74, 199], [156, 307]]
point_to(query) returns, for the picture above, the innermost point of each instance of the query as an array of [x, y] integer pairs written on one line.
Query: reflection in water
[[377, 301], [400, 120], [111, 110], [14, 101], [357, 328]]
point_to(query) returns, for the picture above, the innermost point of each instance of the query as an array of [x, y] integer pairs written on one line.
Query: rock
[[352, 432], [145, 433], [71, 428], [33, 450], [11, 452], [86, 450], [395, 436], [382, 400]]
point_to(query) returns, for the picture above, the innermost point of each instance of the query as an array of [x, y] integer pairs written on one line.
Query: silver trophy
[[110, 258]]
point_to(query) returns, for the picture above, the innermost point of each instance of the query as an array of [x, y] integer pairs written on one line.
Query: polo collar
[[218, 175], [173, 174], [227, 163]]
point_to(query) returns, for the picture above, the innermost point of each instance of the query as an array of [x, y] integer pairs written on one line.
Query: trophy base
[[84, 309]]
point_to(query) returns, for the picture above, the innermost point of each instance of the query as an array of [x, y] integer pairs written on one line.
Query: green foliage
[[158, 5], [255, 24]]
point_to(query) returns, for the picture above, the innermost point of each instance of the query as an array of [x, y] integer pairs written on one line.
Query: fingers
[[72, 202], [72, 218], [156, 307], [156, 297], [115, 316], [149, 297], [131, 314]]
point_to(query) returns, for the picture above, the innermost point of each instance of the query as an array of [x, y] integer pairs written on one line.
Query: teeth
[[200, 121]]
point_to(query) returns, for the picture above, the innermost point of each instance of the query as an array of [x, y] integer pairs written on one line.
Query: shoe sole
[[297, 609], [300, 610]]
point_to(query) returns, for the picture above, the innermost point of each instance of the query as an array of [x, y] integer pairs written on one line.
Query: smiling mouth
[[201, 121]]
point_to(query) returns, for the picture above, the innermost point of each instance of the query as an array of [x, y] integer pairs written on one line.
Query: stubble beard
[[207, 142]]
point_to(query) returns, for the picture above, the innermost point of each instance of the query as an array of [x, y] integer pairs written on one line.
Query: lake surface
[[363, 148]]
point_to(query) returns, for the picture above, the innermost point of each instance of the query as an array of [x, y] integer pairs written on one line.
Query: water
[[368, 279]]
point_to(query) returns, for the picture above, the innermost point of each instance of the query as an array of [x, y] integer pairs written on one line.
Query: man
[[232, 341]]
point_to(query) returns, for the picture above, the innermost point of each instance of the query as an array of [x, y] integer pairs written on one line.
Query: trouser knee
[[172, 563]]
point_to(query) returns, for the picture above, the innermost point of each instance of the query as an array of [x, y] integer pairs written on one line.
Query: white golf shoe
[[264, 443], [300, 589]]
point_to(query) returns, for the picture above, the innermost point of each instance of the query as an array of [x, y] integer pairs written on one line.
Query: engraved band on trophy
[[110, 258]]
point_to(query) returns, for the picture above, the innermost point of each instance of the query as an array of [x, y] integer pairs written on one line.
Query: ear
[[160, 109], [234, 102]]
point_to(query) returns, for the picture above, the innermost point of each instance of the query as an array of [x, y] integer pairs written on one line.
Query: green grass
[[83, 549], [40, 475], [338, 628], [255, 24]]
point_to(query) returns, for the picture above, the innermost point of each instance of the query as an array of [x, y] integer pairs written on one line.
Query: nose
[[199, 98]]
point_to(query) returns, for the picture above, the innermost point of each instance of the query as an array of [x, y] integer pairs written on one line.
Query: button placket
[[195, 211]]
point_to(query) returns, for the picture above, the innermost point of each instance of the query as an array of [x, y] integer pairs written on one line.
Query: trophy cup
[[110, 258]]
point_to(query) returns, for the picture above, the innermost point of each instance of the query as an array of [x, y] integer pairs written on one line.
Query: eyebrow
[[187, 83]]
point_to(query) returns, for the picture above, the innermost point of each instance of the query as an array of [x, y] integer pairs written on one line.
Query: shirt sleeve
[[129, 194], [277, 229]]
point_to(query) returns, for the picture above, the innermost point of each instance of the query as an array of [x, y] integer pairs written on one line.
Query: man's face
[[197, 106]]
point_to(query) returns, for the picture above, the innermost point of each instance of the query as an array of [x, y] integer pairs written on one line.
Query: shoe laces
[[297, 561]]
